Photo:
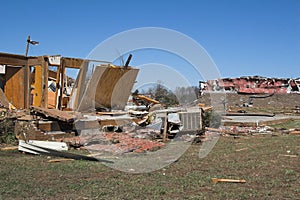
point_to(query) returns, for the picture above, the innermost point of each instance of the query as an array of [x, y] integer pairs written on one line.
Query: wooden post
[[62, 84], [38, 86], [44, 103], [27, 86], [57, 86], [165, 128]]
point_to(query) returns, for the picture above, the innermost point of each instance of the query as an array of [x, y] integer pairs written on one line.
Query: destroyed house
[[253, 85], [56, 106], [30, 81]]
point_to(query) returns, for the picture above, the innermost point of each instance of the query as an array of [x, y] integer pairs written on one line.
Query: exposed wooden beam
[[12, 59], [72, 62], [33, 61]]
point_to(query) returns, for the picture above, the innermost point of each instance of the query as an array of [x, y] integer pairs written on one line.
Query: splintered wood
[[54, 113]]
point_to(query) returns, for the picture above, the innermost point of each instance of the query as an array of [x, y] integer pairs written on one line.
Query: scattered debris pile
[[122, 143], [50, 110], [253, 85], [250, 130]]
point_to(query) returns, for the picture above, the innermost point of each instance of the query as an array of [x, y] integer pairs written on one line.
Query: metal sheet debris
[[36, 146]]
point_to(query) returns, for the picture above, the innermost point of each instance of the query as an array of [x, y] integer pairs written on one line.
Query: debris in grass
[[9, 148], [291, 156], [37, 147], [242, 149], [216, 180], [295, 132], [59, 160]]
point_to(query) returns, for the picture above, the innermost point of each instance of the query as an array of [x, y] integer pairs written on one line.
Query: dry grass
[[260, 160]]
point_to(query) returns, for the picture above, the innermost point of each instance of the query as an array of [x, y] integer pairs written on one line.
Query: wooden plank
[[38, 86], [60, 160], [12, 59], [51, 99], [54, 113], [109, 88], [148, 99], [287, 155], [14, 88], [295, 132], [33, 61], [165, 128], [115, 122], [9, 148], [76, 63], [45, 72], [19, 60], [114, 87], [216, 180]]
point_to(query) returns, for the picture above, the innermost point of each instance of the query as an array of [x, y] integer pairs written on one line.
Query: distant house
[[253, 85]]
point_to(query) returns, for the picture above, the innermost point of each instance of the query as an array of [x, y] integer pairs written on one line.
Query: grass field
[[267, 163]]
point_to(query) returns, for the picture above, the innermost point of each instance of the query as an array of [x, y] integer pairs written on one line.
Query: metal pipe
[[128, 60], [27, 45]]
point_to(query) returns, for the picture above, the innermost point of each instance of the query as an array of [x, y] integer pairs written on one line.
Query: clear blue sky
[[244, 37]]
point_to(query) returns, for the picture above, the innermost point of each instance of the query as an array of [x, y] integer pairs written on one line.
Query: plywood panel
[[51, 99], [109, 87], [14, 86]]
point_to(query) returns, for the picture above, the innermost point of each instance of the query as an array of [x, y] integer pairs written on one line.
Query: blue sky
[[243, 37]]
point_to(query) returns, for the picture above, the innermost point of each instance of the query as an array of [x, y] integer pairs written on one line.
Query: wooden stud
[[57, 86], [38, 86], [44, 103], [165, 127]]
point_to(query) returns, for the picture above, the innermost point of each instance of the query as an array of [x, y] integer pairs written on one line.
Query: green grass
[[7, 131], [259, 160]]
